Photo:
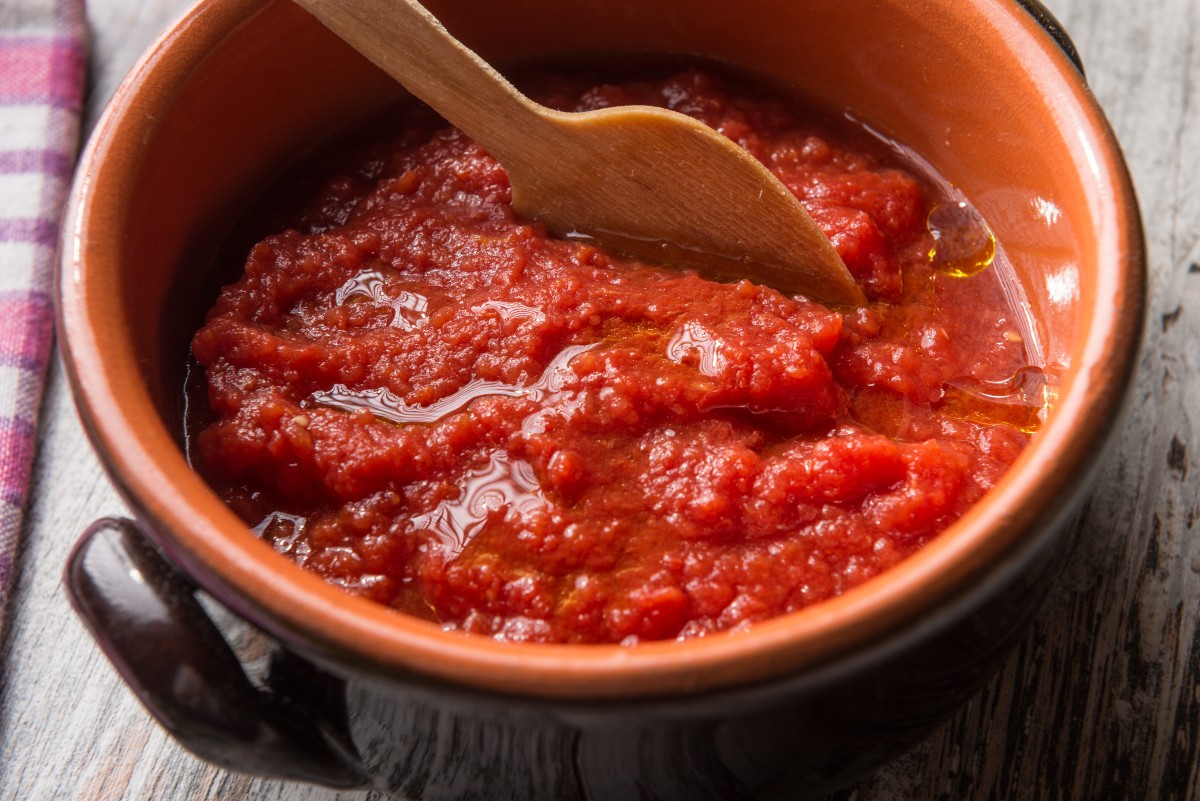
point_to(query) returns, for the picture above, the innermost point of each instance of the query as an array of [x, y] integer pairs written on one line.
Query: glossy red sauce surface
[[433, 404]]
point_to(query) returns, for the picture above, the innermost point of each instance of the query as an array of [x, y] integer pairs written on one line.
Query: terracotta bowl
[[356, 695]]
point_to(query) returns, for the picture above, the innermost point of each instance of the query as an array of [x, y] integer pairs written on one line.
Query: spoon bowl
[[654, 184]]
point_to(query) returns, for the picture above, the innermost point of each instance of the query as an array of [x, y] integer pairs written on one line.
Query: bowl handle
[[145, 616], [1053, 27]]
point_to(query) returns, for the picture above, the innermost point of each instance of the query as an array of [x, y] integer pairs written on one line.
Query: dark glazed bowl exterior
[[355, 695]]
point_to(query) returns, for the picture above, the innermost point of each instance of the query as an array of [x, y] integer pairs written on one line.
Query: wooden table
[[1100, 701]]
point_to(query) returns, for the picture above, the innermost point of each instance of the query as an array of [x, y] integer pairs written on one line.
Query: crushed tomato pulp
[[436, 405]]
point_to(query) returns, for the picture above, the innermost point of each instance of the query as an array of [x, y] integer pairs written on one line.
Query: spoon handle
[[409, 44]]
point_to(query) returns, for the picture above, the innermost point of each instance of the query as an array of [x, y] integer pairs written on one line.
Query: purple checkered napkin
[[41, 90]]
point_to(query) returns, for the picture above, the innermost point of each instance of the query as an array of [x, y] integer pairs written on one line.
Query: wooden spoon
[[652, 183]]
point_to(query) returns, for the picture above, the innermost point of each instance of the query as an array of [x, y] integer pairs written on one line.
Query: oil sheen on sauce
[[435, 405]]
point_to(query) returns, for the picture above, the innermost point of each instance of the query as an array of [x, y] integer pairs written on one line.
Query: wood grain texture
[[1100, 701]]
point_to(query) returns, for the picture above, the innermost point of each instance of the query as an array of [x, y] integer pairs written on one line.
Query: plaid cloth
[[42, 46]]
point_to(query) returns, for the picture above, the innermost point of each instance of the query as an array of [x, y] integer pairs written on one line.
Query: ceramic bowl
[[353, 694]]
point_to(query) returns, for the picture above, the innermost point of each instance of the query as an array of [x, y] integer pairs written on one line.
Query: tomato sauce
[[436, 405]]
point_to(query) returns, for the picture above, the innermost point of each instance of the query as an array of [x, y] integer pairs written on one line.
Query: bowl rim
[[194, 529]]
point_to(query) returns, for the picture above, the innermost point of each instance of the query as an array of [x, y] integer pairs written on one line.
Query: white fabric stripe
[[19, 192], [17, 398], [10, 520], [28, 18], [38, 126], [17, 273], [24, 127]]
